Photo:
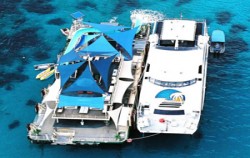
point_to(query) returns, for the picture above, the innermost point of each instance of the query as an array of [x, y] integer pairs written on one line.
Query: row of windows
[[172, 84]]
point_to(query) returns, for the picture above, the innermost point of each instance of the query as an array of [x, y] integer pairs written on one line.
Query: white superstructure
[[173, 86]]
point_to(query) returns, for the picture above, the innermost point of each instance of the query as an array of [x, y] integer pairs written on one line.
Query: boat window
[[148, 67], [172, 84], [200, 69], [169, 112]]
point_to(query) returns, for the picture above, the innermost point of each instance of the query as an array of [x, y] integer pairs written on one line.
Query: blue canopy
[[67, 70], [103, 67], [93, 102], [85, 39], [71, 56], [77, 15], [101, 45], [85, 82], [125, 39], [75, 39], [106, 27], [218, 36]]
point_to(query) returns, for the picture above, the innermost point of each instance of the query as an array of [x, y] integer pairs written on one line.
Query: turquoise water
[[30, 35]]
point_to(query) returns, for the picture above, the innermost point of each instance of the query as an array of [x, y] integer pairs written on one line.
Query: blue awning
[[106, 27], [67, 70], [218, 36], [103, 67], [77, 15], [85, 39], [101, 45], [75, 39], [93, 102], [125, 39], [71, 56], [85, 82]]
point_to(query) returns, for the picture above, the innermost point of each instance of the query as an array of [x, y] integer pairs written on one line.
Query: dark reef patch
[[31, 102], [236, 28], [7, 78], [9, 7], [56, 21], [40, 55], [122, 5], [14, 124], [9, 87], [182, 2], [223, 17], [39, 6], [86, 4], [236, 45]]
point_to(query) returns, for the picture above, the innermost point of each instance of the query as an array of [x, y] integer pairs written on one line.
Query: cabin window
[[148, 67], [200, 69], [169, 112]]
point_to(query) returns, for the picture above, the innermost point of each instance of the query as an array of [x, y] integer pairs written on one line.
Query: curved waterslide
[[75, 39]]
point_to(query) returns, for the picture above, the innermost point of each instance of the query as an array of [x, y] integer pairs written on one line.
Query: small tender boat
[[46, 73], [43, 66], [217, 42], [65, 31]]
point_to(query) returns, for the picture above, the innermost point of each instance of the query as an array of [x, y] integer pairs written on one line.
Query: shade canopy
[[125, 72], [67, 70], [121, 87], [69, 57], [77, 15], [76, 38], [125, 39], [114, 114], [106, 27], [85, 82], [218, 36], [84, 39], [99, 47], [93, 102], [103, 68]]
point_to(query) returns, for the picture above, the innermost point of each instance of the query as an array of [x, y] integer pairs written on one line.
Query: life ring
[[162, 120]]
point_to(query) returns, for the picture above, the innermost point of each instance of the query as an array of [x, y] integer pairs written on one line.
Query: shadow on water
[[182, 2], [124, 5], [38, 6], [86, 5], [223, 17], [237, 28], [56, 21]]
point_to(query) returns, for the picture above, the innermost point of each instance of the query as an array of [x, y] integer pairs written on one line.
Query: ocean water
[[30, 35]]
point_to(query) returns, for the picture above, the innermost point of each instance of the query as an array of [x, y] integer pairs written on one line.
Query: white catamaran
[[174, 81]]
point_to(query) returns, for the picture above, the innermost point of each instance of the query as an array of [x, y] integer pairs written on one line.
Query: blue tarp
[[218, 36], [71, 56], [77, 15], [85, 39], [85, 82], [67, 70], [125, 39], [103, 67], [93, 102], [101, 45], [106, 27]]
